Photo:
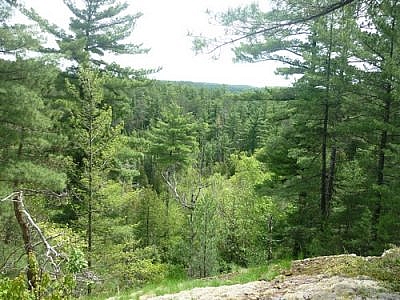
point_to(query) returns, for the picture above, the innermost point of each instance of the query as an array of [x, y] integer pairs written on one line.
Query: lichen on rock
[[346, 276]]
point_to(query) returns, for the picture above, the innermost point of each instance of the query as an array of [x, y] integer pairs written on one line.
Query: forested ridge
[[110, 180]]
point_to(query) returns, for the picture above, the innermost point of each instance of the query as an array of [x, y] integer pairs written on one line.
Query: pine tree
[[380, 39], [95, 141], [314, 132], [28, 161], [173, 140], [97, 28]]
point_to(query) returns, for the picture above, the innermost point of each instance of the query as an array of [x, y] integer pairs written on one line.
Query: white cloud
[[164, 27]]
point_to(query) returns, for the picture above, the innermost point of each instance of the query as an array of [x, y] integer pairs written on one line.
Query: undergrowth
[[385, 269], [175, 285]]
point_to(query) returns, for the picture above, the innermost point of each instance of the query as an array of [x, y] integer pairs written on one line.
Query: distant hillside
[[231, 88]]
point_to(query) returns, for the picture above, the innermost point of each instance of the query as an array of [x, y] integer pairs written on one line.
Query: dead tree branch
[[51, 253], [25, 220], [182, 198]]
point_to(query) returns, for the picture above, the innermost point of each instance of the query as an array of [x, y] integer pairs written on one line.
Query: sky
[[164, 27]]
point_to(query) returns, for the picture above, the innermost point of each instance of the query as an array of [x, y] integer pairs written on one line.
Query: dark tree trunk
[[380, 169], [384, 138], [324, 145], [191, 243], [26, 235], [323, 187], [331, 178], [148, 223], [270, 240]]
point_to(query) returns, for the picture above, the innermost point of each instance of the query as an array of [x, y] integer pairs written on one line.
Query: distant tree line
[[110, 180]]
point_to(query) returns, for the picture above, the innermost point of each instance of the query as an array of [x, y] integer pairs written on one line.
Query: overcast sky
[[164, 27]]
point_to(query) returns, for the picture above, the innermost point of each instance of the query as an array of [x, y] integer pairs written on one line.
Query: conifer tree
[[97, 28], [314, 133], [379, 36], [28, 161], [173, 143], [94, 139]]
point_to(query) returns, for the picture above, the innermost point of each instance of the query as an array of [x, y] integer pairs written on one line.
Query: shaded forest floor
[[326, 277]]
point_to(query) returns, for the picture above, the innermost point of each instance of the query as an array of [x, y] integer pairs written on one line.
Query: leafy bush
[[15, 289], [46, 289], [135, 266]]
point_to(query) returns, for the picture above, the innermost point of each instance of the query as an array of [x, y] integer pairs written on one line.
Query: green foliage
[[245, 213], [204, 260], [48, 288], [143, 270], [27, 138], [96, 28], [148, 213], [318, 142], [168, 179], [172, 137], [76, 261], [172, 285], [135, 266], [15, 289], [32, 174]]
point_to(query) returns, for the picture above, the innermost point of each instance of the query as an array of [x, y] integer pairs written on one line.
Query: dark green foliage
[[97, 28], [330, 141], [158, 178], [173, 143]]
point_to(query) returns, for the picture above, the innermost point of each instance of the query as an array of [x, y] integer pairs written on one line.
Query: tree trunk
[[191, 243], [324, 174], [383, 139], [148, 223], [331, 178], [270, 240], [32, 271], [91, 190], [380, 169], [323, 202], [205, 238]]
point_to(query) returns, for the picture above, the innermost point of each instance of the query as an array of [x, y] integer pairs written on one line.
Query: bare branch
[[47, 193], [174, 189], [51, 253], [181, 197], [9, 197]]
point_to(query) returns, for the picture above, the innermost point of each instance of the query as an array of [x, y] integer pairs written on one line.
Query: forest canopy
[[110, 180]]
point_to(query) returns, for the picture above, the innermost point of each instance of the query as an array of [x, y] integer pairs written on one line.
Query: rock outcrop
[[326, 277], [291, 288]]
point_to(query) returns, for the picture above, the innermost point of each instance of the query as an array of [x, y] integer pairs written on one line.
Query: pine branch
[[325, 11]]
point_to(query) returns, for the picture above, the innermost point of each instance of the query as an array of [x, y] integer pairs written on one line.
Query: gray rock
[[292, 288]]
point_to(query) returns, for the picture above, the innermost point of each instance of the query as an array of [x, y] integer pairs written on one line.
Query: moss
[[385, 268]]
